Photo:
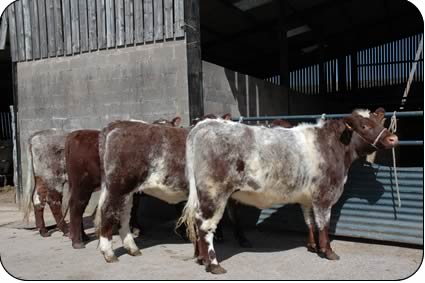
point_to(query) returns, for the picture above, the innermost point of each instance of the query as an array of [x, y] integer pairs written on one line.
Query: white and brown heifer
[[46, 177], [83, 169], [137, 157], [259, 166]]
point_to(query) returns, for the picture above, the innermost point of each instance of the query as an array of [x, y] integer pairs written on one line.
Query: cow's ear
[[227, 116], [380, 112], [176, 121]]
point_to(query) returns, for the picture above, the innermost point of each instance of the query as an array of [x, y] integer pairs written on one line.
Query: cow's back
[[147, 157]]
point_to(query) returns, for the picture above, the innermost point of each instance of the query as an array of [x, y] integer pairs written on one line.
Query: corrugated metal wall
[[368, 207], [384, 65], [49, 28]]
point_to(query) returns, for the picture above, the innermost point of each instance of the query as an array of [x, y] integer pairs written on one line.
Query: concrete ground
[[282, 256]]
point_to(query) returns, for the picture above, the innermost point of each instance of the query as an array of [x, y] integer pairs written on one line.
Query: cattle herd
[[213, 164]]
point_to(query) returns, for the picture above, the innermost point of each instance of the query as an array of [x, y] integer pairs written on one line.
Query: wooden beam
[[84, 31], [27, 29], [194, 61], [91, 12], [12, 33], [66, 17], [138, 21], [3, 30], [129, 21]]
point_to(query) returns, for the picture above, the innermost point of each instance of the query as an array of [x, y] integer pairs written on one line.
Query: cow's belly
[[267, 198], [165, 193]]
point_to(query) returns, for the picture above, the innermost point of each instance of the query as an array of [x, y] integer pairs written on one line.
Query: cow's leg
[[125, 232], [76, 210], [233, 210], [54, 199], [134, 224], [108, 212], [322, 216], [309, 221], [78, 201], [211, 211], [39, 201]]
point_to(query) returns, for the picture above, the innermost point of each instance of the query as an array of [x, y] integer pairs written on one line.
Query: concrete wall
[[87, 91], [227, 91]]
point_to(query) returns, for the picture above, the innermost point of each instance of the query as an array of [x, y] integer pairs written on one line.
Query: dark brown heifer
[[46, 177], [307, 164]]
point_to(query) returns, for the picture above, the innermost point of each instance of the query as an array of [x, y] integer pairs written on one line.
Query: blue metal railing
[[336, 116]]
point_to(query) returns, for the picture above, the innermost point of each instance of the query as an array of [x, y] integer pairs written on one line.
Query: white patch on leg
[[209, 239], [105, 247], [307, 212], [36, 199], [322, 217], [125, 233]]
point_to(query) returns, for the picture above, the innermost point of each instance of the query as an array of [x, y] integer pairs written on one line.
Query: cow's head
[[173, 123], [368, 133], [195, 121]]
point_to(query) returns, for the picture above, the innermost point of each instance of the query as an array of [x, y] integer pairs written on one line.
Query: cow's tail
[[189, 211], [98, 216], [66, 195], [29, 190]]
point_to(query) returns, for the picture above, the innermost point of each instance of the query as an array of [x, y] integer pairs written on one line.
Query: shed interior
[[243, 35]]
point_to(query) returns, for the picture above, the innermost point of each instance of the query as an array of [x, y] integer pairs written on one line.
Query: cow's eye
[[365, 127]]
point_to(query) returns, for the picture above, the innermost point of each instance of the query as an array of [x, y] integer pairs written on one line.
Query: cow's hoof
[[44, 233], [312, 248], [110, 259], [331, 255], [216, 269], [78, 245], [135, 253], [199, 260]]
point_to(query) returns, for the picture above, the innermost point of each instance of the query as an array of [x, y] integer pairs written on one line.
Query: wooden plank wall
[[50, 28]]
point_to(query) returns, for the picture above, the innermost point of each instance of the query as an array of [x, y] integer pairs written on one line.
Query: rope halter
[[363, 138]]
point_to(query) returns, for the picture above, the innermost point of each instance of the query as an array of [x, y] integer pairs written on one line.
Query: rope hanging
[[393, 129], [393, 124]]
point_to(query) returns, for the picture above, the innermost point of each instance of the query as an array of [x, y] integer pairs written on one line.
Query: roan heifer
[[83, 168], [46, 177], [259, 166]]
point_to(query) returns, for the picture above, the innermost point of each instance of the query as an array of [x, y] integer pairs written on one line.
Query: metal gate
[[368, 207]]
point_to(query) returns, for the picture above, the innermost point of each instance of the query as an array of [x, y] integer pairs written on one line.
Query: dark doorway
[[6, 100]]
